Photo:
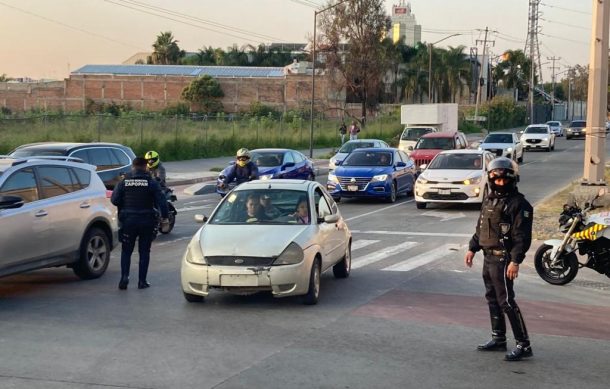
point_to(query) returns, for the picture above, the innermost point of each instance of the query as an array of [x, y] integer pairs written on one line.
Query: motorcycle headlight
[[265, 177], [379, 178], [332, 178], [193, 253], [292, 255], [473, 181]]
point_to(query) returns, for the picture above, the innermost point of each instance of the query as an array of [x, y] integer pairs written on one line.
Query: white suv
[[538, 136], [52, 213]]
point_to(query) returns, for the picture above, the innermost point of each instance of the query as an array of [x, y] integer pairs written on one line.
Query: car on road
[[54, 213], [111, 160], [538, 136], [352, 145], [503, 144], [454, 176], [373, 172], [577, 128], [410, 136], [556, 127], [433, 143], [284, 254]]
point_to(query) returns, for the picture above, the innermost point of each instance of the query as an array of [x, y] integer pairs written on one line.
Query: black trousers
[[140, 228], [501, 300]]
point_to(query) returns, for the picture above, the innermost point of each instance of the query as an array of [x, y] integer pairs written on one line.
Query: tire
[[420, 205], [558, 276], [193, 298], [343, 267], [393, 193], [568, 137], [520, 159], [94, 255], [313, 292], [172, 220]]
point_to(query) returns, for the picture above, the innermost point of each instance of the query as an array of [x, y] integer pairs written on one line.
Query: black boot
[[518, 353], [493, 345], [143, 284], [123, 283], [498, 331]]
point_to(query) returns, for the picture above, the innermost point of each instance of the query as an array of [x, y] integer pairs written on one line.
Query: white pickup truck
[[420, 119]]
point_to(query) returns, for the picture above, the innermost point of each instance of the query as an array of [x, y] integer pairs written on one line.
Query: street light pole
[[430, 64], [313, 73]]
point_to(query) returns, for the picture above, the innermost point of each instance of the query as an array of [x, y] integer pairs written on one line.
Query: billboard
[[400, 10]]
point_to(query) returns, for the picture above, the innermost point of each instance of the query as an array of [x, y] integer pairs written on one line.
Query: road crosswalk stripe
[[424, 258], [382, 254], [444, 234], [360, 243]]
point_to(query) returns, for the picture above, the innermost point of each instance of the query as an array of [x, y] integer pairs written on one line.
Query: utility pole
[[553, 58], [597, 101], [481, 79], [534, 52]]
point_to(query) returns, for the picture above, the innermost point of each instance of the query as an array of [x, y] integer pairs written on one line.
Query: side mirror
[[338, 163], [10, 202], [201, 218], [287, 164], [410, 148], [423, 167], [331, 219], [401, 164], [519, 133]]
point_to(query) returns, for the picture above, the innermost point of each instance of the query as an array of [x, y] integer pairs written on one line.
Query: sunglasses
[[242, 158]]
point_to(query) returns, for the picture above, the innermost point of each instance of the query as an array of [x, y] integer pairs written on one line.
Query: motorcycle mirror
[[201, 218]]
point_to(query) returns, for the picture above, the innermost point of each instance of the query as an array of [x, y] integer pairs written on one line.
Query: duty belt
[[496, 252]]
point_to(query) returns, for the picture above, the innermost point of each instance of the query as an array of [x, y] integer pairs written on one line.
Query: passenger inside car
[[302, 211], [270, 210], [254, 210]]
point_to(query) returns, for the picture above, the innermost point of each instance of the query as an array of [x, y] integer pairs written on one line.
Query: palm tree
[[458, 71], [514, 71], [166, 50]]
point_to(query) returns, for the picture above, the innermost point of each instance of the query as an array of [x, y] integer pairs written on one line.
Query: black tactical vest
[[138, 196], [495, 224]]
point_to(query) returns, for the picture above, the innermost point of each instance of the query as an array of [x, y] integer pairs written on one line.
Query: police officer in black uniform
[[136, 197], [504, 233]]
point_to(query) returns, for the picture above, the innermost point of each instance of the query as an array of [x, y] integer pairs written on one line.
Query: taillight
[[108, 193]]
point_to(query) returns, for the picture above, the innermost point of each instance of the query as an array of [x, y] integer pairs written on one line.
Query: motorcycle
[[170, 197], [588, 235], [221, 188]]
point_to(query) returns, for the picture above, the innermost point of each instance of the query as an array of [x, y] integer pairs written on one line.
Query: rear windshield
[[415, 133], [22, 153], [499, 138], [536, 130], [553, 123], [268, 159], [435, 143], [578, 123], [351, 146]]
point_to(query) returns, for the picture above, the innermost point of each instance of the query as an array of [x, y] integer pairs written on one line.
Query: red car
[[433, 143]]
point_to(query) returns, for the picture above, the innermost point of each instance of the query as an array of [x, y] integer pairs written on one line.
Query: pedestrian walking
[[136, 198], [353, 131], [504, 233], [342, 132]]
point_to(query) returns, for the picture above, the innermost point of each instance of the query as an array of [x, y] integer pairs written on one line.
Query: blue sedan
[[373, 172]]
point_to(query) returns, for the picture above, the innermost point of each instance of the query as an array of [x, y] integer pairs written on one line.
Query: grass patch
[[216, 169], [547, 213]]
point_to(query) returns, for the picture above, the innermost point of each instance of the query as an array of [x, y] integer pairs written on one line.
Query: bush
[[259, 110], [180, 109]]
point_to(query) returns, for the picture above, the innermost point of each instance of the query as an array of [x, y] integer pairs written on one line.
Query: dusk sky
[[49, 38]]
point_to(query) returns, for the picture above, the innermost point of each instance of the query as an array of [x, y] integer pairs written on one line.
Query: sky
[[46, 39]]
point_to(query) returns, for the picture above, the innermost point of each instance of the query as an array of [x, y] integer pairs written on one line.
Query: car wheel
[[193, 298], [420, 205], [94, 255], [393, 194], [568, 137], [313, 292], [342, 269]]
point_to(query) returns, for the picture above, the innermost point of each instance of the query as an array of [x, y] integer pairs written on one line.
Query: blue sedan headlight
[[266, 177], [379, 178]]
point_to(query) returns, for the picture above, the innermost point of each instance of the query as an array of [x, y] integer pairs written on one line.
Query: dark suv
[[111, 159]]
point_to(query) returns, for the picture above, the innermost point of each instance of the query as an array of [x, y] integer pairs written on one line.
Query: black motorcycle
[[588, 235], [170, 198]]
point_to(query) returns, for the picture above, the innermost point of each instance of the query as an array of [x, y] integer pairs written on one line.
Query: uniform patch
[[136, 182], [526, 214]]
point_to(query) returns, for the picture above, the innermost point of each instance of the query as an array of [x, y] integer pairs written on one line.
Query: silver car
[[556, 127], [54, 213], [503, 144], [276, 236]]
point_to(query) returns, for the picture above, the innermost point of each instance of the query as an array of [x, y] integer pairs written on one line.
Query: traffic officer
[[504, 233], [155, 167], [136, 198]]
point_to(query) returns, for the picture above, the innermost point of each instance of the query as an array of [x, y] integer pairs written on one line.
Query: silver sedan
[[276, 236]]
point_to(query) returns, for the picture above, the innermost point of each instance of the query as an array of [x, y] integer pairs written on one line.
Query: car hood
[[487, 146], [219, 240], [445, 175], [362, 171], [535, 136], [424, 153]]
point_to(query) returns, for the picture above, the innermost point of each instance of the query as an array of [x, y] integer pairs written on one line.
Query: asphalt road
[[410, 315]]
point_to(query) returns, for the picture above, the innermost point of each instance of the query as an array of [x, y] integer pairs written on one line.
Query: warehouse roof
[[182, 70]]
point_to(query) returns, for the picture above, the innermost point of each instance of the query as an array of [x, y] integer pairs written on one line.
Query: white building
[[404, 24]]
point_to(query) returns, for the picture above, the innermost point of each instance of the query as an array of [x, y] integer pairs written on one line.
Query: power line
[[566, 24], [305, 3], [566, 9], [71, 27], [562, 38]]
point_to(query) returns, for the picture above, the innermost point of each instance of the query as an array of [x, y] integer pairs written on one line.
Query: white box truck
[[420, 119]]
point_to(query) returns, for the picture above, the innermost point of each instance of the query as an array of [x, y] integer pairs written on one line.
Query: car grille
[[360, 181], [533, 141], [421, 161], [497, 152], [238, 261], [452, 196]]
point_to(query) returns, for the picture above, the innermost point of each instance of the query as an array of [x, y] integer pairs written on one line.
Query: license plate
[[577, 133], [352, 188], [444, 191], [238, 280]]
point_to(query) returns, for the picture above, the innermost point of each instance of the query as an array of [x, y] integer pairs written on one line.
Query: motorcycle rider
[[155, 167], [504, 233], [243, 170]]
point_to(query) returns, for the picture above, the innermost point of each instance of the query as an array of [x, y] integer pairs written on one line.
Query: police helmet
[[152, 159], [503, 168]]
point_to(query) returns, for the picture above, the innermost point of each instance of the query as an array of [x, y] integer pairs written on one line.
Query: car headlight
[[422, 180], [333, 178], [546, 139], [266, 177], [510, 149], [381, 177], [193, 253], [479, 148], [292, 255], [473, 180]]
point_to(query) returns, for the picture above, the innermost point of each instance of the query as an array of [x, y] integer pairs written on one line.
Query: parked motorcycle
[[170, 197], [588, 235]]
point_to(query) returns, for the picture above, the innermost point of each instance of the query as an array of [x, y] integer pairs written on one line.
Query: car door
[[289, 167], [400, 173], [24, 232], [331, 238], [410, 170], [301, 171]]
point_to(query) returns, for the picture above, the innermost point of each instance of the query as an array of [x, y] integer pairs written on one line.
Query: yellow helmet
[[152, 159]]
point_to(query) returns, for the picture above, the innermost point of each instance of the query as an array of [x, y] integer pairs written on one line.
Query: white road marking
[[173, 241], [445, 234], [423, 259], [186, 209], [377, 210], [444, 216], [362, 243], [382, 254]]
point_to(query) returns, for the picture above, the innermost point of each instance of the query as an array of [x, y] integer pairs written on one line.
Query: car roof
[[464, 151], [66, 146], [369, 149], [501, 133], [364, 140], [6, 163], [276, 184], [441, 134], [269, 150]]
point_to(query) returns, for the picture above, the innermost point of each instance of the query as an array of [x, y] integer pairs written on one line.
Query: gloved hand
[[222, 185]]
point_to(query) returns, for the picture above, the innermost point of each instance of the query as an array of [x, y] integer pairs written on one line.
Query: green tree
[[204, 93], [514, 71], [414, 76], [166, 50], [456, 73], [4, 78]]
